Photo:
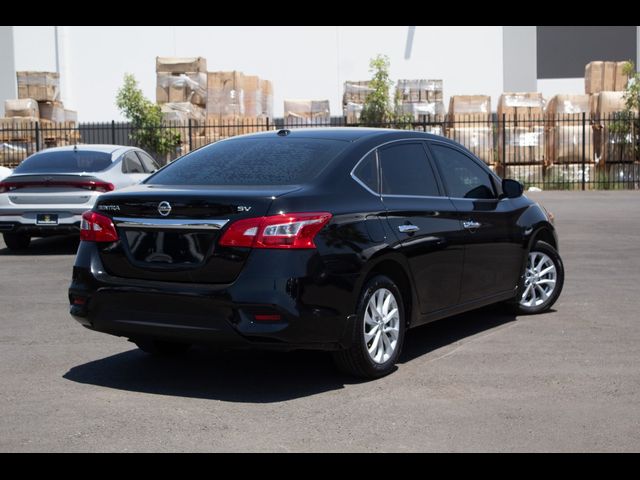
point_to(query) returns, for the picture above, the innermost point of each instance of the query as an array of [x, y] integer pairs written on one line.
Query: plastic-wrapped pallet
[[435, 110], [529, 175], [21, 107], [41, 86], [353, 99], [306, 111], [604, 77], [419, 91], [182, 112], [252, 96], [521, 109], [470, 110], [521, 145], [225, 94], [182, 87], [181, 64], [266, 88], [611, 145], [478, 140], [53, 111], [565, 130]]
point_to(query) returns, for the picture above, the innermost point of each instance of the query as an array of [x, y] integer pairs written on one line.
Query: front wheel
[[542, 282], [379, 332]]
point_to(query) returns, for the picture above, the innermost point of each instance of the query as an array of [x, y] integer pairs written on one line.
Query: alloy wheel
[[381, 325], [539, 280]]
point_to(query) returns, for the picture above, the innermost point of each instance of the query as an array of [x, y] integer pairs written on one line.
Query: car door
[[424, 221], [493, 252], [132, 168]]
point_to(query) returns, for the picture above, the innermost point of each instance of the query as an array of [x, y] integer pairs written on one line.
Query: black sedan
[[333, 239]]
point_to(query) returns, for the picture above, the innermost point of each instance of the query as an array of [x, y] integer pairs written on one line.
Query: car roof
[[111, 149], [349, 134]]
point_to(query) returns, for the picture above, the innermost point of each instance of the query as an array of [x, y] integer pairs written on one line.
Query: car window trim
[[478, 162], [380, 194]]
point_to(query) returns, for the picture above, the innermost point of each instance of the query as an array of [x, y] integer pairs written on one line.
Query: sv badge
[[244, 209]]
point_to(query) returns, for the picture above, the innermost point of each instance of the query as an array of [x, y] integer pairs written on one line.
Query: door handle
[[471, 225], [408, 228]]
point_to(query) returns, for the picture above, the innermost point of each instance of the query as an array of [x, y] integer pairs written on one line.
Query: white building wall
[[303, 62]]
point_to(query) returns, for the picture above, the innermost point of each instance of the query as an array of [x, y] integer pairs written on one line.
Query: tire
[[544, 257], [16, 241], [161, 348], [357, 360]]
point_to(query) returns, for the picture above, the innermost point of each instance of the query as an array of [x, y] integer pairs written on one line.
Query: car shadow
[[253, 376], [58, 245]]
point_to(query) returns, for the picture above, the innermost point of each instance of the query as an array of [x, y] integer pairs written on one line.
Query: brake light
[[93, 185], [97, 228], [292, 230]]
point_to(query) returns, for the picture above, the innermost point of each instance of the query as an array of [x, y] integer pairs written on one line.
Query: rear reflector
[[93, 185], [292, 231], [79, 300], [97, 228]]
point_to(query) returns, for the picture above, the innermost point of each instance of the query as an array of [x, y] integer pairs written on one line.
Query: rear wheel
[[379, 331], [16, 241], [542, 282], [161, 347]]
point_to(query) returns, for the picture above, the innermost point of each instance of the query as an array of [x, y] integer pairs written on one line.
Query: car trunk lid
[[170, 234]]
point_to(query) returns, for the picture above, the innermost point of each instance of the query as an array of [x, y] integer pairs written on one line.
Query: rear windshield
[[65, 162], [255, 161]]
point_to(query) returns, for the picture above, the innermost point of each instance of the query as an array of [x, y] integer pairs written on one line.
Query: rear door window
[[252, 161], [406, 170]]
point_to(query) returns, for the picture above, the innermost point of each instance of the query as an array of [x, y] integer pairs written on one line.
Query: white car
[[5, 172], [50, 190]]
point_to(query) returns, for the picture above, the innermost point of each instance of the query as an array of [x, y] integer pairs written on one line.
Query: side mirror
[[512, 188]]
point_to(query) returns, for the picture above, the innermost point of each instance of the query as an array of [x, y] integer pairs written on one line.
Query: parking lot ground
[[568, 380]]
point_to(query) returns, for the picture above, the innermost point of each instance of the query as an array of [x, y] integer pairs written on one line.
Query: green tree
[[628, 128], [146, 119], [377, 105]]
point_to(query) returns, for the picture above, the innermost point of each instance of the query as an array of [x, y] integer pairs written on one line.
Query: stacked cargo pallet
[[569, 151], [469, 123], [353, 99], [421, 100], [36, 119], [521, 137], [237, 104], [306, 112], [181, 92], [614, 154]]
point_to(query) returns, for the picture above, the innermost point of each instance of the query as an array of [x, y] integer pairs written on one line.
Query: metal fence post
[[190, 137], [113, 132], [37, 136], [504, 140], [584, 153], [267, 123]]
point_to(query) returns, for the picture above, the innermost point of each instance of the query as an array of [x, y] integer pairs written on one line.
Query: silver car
[[50, 190]]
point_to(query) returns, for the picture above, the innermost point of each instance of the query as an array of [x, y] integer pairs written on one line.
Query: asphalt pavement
[[568, 380]]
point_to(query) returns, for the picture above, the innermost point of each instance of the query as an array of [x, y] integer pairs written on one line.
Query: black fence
[[573, 151]]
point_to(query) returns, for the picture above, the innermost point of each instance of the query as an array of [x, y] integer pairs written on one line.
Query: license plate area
[[47, 219], [169, 248]]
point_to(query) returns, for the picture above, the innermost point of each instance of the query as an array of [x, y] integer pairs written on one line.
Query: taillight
[[97, 186], [292, 230], [97, 228]]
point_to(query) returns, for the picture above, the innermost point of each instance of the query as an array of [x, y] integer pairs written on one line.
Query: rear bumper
[[207, 314], [68, 222]]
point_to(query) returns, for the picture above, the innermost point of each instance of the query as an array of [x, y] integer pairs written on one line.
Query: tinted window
[[131, 164], [148, 163], [463, 177], [406, 171], [65, 162], [367, 172], [252, 161]]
